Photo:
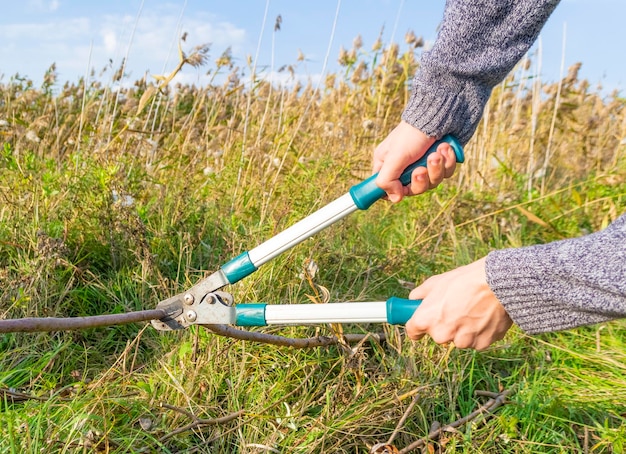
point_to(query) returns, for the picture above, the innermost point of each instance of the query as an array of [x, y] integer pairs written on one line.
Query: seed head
[[198, 55], [225, 59]]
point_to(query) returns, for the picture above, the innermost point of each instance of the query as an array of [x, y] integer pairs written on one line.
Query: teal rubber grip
[[238, 268], [400, 310], [251, 314], [367, 192]]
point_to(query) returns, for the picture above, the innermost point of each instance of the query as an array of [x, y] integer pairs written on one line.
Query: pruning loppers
[[206, 304]]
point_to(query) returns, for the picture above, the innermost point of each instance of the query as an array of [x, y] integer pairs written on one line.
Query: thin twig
[[296, 390], [489, 407], [406, 414], [199, 422], [482, 393], [16, 396], [196, 421]]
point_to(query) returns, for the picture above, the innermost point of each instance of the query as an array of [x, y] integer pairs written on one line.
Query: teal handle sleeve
[[251, 314], [238, 268], [367, 192], [400, 310]]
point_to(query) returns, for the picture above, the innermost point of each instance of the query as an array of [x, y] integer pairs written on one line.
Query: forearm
[[564, 284], [479, 42]]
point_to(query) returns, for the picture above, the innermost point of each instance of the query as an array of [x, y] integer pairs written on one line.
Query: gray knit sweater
[[563, 284], [545, 287]]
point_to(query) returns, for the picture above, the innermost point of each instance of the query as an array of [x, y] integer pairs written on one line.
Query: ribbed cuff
[[445, 107]]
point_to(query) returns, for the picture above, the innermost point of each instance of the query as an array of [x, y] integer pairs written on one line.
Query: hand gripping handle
[[360, 196], [367, 192]]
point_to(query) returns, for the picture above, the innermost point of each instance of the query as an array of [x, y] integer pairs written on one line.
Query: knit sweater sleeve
[[478, 44], [563, 284]]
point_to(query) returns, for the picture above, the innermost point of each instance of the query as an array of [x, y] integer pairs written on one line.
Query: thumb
[[422, 319], [388, 177], [421, 291]]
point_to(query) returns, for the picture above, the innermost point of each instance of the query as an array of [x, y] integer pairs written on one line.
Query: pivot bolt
[[191, 316], [188, 299]]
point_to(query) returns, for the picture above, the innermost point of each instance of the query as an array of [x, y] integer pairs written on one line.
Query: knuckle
[[441, 336], [465, 340], [481, 345], [415, 328], [463, 343], [417, 190], [384, 183]]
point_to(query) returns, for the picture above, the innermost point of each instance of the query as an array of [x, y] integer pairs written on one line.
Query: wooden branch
[[51, 324], [282, 341], [46, 324]]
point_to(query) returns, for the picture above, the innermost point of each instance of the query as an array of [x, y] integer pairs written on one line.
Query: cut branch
[[282, 341], [49, 324]]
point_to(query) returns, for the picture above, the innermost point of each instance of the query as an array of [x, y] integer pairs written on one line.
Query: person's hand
[[458, 306], [402, 147]]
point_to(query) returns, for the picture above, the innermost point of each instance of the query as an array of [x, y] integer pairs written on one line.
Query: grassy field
[[115, 196]]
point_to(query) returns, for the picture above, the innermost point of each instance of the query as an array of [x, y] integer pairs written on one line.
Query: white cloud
[[110, 40], [47, 32], [287, 80], [42, 6], [72, 42]]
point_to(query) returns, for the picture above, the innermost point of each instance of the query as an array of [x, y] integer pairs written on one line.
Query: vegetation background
[[116, 195]]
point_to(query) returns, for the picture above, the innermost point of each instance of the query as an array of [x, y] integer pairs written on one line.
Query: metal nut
[[191, 316], [212, 298]]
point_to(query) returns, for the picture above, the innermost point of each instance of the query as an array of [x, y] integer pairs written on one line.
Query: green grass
[[95, 223]]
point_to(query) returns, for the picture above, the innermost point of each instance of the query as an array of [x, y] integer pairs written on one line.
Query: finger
[[441, 335], [439, 166], [464, 340], [388, 180], [414, 330], [421, 291], [424, 319], [393, 187], [481, 344], [379, 156], [414, 336], [435, 167], [416, 327], [449, 159], [420, 181], [422, 323]]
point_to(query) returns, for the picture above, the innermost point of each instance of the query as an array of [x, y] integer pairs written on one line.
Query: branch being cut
[[46, 324], [282, 341]]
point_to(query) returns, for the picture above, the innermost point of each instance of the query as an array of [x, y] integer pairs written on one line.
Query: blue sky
[[80, 34]]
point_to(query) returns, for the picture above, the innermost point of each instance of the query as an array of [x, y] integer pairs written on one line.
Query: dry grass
[[114, 197]]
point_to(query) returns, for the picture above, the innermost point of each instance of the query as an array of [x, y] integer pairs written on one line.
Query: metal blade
[[183, 306]]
